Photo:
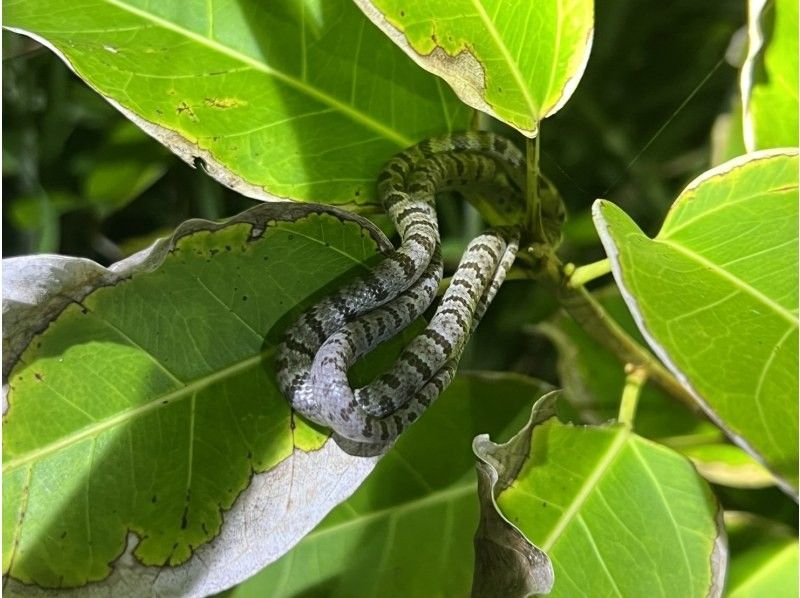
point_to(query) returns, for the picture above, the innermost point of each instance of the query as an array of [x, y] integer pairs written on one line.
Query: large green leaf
[[593, 380], [294, 99], [408, 529], [519, 62], [615, 513], [142, 404], [769, 77], [715, 293]]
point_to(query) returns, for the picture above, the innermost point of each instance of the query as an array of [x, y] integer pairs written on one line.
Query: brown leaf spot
[[224, 103]]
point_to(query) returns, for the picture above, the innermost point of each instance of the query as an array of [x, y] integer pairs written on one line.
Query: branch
[[604, 330]]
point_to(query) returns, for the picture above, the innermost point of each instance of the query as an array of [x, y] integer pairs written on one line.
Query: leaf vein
[[735, 280], [298, 84]]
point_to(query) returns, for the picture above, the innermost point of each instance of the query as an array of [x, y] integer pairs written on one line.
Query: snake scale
[[319, 348]]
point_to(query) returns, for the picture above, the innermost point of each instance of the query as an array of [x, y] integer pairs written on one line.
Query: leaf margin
[[193, 577], [612, 251]]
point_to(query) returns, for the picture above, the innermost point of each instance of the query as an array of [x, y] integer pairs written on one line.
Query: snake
[[316, 352]]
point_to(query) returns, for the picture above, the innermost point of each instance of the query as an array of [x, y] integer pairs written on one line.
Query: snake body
[[328, 338]]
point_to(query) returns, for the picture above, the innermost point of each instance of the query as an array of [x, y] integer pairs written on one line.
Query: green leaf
[[517, 62], [28, 212], [764, 558], [726, 464], [615, 513], [408, 529], [593, 380], [295, 99], [715, 294], [142, 404], [769, 77], [126, 165]]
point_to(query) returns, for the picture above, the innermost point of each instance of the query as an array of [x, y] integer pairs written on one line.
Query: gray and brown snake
[[317, 351]]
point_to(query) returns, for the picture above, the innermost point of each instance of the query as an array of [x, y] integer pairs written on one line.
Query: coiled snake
[[327, 339]]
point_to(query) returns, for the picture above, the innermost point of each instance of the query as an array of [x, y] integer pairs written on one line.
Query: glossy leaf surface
[[615, 513], [519, 62], [295, 99], [148, 405], [715, 294]]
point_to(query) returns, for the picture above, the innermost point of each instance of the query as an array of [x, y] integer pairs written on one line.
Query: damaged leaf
[[518, 62], [142, 409], [304, 100], [407, 531], [616, 514], [506, 563]]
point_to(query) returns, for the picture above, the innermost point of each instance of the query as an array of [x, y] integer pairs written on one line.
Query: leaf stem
[[533, 209], [634, 382], [605, 331], [578, 276]]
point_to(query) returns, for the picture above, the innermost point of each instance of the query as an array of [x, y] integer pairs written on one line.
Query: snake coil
[[328, 338]]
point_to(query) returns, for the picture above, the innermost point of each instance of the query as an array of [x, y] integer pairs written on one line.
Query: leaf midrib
[[512, 64], [731, 278], [98, 427], [346, 109], [586, 489]]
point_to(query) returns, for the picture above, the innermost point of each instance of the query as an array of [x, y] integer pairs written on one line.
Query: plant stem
[[533, 210], [634, 381], [579, 276], [604, 330]]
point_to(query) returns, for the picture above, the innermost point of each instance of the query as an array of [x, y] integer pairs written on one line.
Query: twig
[[579, 276], [634, 381]]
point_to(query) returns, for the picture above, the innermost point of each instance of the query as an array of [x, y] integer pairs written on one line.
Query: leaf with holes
[[145, 442], [408, 528], [769, 77], [295, 99], [616, 514], [519, 62], [715, 294]]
